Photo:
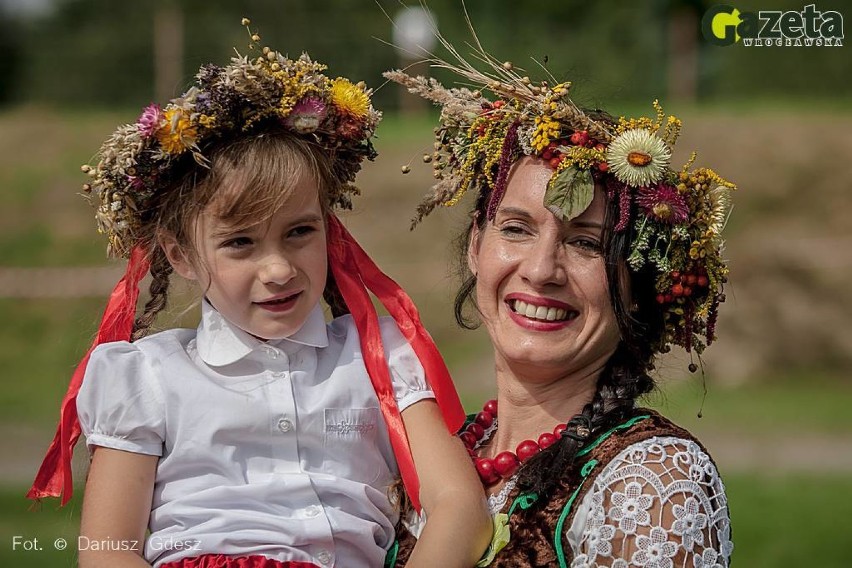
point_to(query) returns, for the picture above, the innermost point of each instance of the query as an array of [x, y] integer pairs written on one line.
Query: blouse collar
[[220, 342]]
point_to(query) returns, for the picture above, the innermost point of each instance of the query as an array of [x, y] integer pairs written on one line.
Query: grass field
[[779, 375]]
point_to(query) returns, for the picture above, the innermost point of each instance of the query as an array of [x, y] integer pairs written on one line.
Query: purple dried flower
[[623, 208], [663, 203], [613, 187], [150, 120], [203, 103], [688, 339], [136, 182], [306, 115], [208, 74], [505, 164], [711, 320]]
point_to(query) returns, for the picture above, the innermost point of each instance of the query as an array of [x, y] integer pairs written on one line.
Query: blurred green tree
[[11, 58], [101, 52]]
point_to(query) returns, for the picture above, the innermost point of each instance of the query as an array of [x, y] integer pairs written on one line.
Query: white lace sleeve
[[659, 504]]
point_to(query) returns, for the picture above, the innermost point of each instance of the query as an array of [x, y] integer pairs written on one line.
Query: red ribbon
[[54, 476], [354, 272]]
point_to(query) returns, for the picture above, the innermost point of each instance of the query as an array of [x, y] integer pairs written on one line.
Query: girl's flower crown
[[677, 216], [139, 159]]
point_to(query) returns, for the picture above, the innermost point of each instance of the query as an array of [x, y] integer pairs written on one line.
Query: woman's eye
[[513, 230], [587, 244]]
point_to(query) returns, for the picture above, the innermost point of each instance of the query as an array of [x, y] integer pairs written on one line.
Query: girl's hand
[[116, 507]]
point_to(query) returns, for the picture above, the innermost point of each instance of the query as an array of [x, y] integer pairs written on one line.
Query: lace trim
[[660, 503], [496, 502]]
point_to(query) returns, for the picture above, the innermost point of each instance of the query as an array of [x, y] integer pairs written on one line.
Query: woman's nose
[[545, 264], [276, 270]]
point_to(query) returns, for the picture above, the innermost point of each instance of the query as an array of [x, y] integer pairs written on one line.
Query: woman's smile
[[539, 313]]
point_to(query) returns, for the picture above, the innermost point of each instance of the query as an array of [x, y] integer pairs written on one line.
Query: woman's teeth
[[540, 312]]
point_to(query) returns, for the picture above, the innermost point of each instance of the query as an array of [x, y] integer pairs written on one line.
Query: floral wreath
[[678, 216], [249, 93]]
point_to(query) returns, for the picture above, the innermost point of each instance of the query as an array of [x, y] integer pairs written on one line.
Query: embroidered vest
[[537, 531]]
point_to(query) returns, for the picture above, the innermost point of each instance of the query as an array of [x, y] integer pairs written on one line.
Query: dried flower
[[177, 133], [349, 99], [307, 115], [720, 208], [637, 157], [150, 120], [663, 203]]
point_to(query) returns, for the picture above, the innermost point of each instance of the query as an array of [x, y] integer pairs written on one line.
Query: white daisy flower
[[637, 157]]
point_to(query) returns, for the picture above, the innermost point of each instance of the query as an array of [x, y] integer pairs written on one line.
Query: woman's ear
[[473, 248], [177, 256]]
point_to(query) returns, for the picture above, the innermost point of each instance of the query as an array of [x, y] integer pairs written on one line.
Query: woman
[[588, 256]]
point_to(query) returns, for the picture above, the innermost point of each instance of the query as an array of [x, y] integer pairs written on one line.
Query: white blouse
[[273, 448]]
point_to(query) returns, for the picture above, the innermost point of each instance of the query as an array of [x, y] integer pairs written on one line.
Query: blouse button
[[312, 511], [324, 557], [285, 425], [271, 351]]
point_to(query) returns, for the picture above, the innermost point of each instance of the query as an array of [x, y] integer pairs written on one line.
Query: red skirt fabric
[[222, 561]]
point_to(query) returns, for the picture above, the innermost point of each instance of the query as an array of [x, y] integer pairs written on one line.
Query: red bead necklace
[[504, 464]]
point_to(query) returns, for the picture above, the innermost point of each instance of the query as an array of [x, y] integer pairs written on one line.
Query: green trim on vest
[[588, 467], [560, 553], [390, 557]]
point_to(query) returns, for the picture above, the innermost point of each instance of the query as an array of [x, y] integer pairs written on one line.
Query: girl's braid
[[159, 288]]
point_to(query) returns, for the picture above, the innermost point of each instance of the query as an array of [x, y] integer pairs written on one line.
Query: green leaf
[[570, 193], [499, 539]]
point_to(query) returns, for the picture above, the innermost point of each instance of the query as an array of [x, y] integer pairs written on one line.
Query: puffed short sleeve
[[409, 379], [120, 403]]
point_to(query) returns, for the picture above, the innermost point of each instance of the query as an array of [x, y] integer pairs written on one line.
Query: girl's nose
[[276, 271]]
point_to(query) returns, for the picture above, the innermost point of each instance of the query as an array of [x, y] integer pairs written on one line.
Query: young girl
[[266, 437]]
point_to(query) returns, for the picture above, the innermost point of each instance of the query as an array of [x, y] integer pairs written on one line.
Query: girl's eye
[[237, 243], [302, 230]]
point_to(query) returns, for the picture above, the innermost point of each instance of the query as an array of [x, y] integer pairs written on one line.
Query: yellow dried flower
[[349, 99], [546, 129], [178, 133]]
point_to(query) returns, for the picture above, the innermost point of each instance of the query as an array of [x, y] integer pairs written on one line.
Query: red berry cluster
[[684, 285], [578, 138], [504, 464], [487, 108]]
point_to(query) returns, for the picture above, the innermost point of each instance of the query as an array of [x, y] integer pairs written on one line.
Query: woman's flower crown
[[139, 159], [678, 216]]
